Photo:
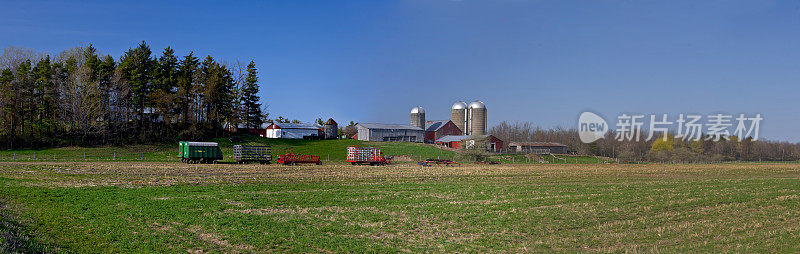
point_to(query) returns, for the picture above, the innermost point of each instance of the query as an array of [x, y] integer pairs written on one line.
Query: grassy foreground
[[172, 207]]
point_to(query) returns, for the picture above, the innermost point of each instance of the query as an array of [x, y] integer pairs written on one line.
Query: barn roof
[[454, 138], [307, 126], [385, 126], [435, 125], [535, 144], [331, 122]]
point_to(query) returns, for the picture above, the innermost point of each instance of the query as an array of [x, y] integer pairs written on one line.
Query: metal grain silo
[[459, 116], [418, 117], [476, 118]]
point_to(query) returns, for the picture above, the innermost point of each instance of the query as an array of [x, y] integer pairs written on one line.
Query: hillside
[[328, 150]]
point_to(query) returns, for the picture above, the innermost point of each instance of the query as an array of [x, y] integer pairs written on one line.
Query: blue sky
[[538, 61]]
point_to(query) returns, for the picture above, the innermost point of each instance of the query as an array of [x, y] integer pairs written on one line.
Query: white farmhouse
[[292, 130]]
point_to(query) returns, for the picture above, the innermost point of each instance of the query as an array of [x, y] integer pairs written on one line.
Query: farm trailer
[[199, 152], [293, 159], [360, 155], [244, 154]]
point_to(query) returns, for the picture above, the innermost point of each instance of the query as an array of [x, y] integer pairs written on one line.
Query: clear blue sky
[[538, 61]]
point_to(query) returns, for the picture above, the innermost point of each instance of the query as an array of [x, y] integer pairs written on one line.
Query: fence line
[[84, 156], [172, 156]]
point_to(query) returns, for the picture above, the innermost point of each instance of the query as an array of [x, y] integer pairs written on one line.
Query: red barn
[[457, 141], [437, 129]]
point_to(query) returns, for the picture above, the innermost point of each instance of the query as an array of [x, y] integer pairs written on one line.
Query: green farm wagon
[[199, 152]]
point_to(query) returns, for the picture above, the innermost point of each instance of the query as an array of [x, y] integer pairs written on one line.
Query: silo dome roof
[[417, 109], [476, 104], [460, 105]]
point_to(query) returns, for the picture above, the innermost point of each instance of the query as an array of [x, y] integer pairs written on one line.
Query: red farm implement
[[362, 155], [293, 159]]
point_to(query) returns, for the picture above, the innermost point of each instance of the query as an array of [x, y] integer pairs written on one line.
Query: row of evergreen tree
[[82, 98]]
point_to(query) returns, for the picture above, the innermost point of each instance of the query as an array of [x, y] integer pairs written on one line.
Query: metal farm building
[[389, 132]]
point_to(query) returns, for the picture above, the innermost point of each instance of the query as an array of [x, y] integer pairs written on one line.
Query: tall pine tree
[[136, 67], [167, 71], [7, 114], [92, 63], [250, 99], [43, 96], [218, 94], [187, 70], [23, 95], [163, 94], [107, 90]]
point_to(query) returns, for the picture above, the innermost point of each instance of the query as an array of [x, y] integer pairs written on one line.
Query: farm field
[[173, 207], [551, 159]]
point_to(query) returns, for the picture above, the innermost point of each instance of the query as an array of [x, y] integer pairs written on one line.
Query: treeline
[[656, 150], [80, 97]]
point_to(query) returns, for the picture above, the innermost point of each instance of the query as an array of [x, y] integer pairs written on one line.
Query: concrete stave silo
[[331, 129], [459, 116], [476, 118], [418, 117]]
